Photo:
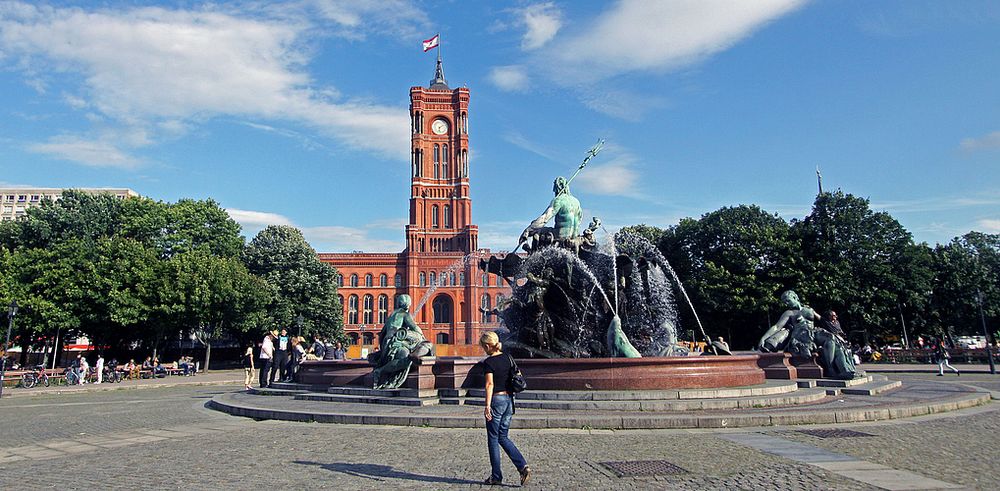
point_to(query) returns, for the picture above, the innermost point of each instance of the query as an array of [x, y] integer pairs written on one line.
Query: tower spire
[[438, 82]]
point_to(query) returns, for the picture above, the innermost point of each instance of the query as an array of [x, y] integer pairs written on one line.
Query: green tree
[[305, 286], [732, 261], [861, 263], [967, 264]]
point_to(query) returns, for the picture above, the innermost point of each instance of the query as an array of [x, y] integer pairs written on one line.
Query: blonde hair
[[490, 343]]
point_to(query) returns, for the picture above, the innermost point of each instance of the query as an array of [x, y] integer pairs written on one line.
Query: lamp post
[[906, 339], [298, 324], [986, 334], [6, 344]]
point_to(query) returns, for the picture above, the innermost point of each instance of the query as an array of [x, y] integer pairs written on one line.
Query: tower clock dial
[[439, 126]]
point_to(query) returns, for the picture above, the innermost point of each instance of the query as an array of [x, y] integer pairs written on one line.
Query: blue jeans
[[496, 435]]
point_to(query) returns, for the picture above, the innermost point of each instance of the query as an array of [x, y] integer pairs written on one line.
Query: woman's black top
[[499, 366]]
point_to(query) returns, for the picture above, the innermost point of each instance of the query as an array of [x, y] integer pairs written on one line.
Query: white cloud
[[986, 142], [638, 35], [989, 225], [322, 238], [356, 18], [146, 67], [509, 78], [252, 219], [617, 179], [542, 22], [94, 153]]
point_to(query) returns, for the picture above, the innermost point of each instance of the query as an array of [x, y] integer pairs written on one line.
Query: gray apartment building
[[14, 202]]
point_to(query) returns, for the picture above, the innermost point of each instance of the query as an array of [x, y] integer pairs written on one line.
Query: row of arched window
[[447, 216], [367, 311], [363, 310], [383, 280], [444, 279], [440, 169], [369, 338]]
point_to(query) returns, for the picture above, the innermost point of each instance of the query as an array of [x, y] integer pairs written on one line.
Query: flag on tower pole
[[431, 43]]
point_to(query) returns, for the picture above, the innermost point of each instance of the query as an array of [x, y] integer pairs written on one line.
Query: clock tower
[[440, 206]]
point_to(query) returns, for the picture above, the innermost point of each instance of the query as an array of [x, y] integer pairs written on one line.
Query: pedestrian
[[248, 367], [337, 352], [941, 353], [281, 358], [499, 409], [267, 359], [318, 348], [100, 368], [74, 366], [84, 369], [297, 354]]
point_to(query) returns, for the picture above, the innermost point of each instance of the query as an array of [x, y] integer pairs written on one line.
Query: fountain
[[586, 315]]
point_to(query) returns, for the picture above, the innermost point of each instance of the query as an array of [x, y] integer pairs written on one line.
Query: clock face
[[439, 126]]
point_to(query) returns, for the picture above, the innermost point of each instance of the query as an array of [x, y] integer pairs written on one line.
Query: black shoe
[[958, 373], [940, 375], [525, 475], [492, 482]]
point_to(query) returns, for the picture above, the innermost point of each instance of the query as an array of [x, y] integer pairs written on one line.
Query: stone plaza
[[166, 438]]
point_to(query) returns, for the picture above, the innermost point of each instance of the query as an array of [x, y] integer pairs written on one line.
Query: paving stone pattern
[[164, 439]]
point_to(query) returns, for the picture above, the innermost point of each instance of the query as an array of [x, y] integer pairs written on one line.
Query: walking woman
[[248, 366], [499, 409], [941, 353]]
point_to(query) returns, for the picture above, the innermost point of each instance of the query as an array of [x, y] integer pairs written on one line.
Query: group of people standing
[[279, 356]]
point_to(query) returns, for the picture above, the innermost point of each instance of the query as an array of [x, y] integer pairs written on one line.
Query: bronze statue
[[401, 344], [795, 333]]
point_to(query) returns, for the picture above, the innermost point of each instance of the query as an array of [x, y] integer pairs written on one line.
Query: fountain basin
[[676, 372]]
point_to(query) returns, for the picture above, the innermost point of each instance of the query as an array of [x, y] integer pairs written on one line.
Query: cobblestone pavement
[[165, 439]]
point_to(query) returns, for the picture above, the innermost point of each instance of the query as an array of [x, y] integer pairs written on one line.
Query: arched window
[[461, 279], [447, 216], [340, 302], [423, 279], [354, 280], [443, 278], [437, 161], [434, 216], [340, 280], [486, 280], [352, 309], [368, 280], [383, 280], [368, 338], [499, 301], [433, 279], [383, 308], [398, 280], [444, 162], [484, 304], [453, 278], [369, 304], [442, 309], [442, 338], [352, 338]]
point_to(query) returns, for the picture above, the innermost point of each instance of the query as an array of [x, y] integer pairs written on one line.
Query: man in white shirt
[[266, 358], [100, 368], [84, 369]]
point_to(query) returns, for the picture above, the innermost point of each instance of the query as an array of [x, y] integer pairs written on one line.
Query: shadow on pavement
[[376, 472]]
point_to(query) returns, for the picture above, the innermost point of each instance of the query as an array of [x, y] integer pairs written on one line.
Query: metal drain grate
[[835, 433], [634, 468]]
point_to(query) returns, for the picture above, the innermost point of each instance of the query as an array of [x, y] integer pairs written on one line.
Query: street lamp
[[986, 334], [298, 323], [6, 344]]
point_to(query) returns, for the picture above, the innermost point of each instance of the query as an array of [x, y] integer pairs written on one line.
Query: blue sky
[[296, 112]]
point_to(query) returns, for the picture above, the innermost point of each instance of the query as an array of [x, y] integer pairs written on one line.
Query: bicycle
[[34, 377]]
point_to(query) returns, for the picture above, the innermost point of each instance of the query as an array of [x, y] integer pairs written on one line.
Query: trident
[[590, 154]]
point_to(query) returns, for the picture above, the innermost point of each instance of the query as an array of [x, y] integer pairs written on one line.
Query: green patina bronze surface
[[401, 344]]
